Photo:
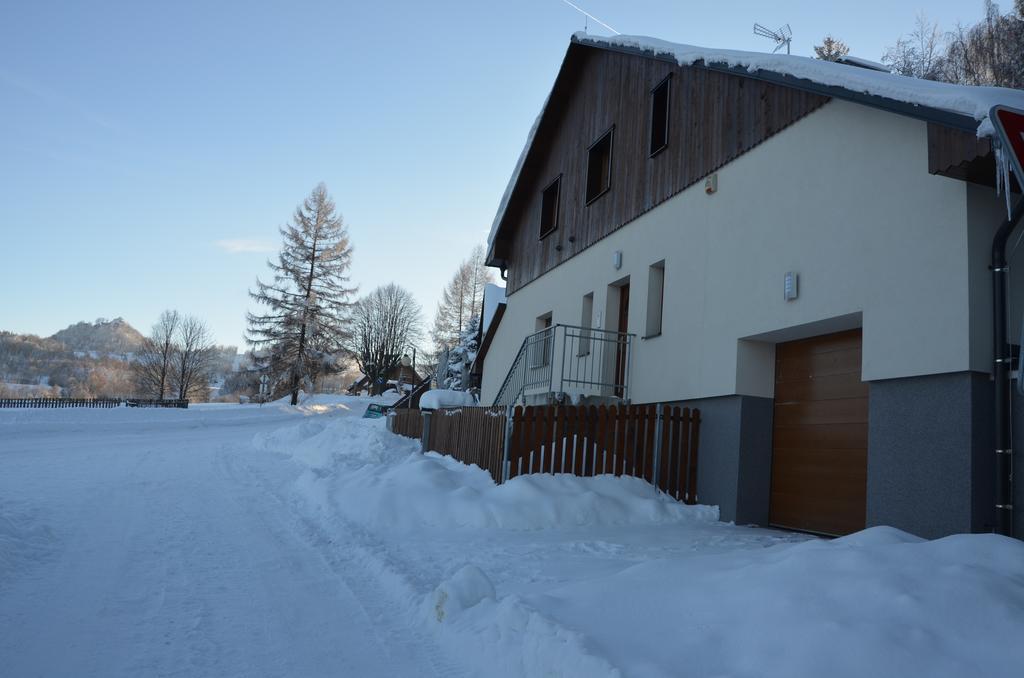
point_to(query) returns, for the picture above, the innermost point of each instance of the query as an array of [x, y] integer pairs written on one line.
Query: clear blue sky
[[139, 139]]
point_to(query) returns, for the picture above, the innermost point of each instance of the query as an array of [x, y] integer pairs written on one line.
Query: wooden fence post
[[506, 446], [659, 432], [425, 438]]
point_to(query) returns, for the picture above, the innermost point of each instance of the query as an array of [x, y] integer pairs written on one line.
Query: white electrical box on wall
[[790, 286]]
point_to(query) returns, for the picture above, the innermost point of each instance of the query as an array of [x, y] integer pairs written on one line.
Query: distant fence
[[57, 403], [658, 443], [154, 402]]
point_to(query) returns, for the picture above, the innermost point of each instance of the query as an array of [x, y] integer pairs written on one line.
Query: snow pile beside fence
[[382, 480]]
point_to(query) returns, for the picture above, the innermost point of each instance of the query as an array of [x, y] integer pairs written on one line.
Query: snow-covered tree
[[460, 358], [308, 298], [462, 300], [831, 49], [385, 324]]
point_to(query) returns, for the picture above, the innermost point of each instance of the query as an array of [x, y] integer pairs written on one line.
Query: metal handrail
[[588, 356]]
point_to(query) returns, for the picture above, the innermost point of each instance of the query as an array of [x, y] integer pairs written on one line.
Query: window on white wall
[[586, 323], [655, 298], [541, 342]]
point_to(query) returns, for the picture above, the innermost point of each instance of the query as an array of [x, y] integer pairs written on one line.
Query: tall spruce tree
[[308, 300]]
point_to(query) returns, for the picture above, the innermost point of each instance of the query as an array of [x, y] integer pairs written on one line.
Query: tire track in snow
[[383, 592]]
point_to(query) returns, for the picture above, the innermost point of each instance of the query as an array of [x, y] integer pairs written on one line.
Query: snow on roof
[[494, 296], [863, 63], [971, 101], [974, 102]]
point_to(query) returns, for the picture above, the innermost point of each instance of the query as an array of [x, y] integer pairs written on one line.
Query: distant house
[[798, 248], [397, 376]]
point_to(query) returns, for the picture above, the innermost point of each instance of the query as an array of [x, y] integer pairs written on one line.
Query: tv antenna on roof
[[588, 15], [783, 36]]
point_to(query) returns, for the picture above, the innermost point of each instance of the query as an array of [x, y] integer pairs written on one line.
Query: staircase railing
[[421, 388], [569, 359]]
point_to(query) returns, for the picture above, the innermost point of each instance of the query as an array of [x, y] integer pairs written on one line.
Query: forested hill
[[103, 336]]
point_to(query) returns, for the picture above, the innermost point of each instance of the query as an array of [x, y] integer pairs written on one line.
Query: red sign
[[1009, 122]]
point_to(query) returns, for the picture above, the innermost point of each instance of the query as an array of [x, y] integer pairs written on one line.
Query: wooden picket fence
[[51, 403], [406, 422], [658, 443], [473, 435], [59, 402]]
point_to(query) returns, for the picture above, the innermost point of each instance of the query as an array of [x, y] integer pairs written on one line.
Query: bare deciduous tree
[[385, 324], [308, 298], [919, 55], [153, 364], [990, 52], [193, 359]]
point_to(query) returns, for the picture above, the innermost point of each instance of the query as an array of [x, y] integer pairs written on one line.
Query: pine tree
[[831, 49], [308, 299]]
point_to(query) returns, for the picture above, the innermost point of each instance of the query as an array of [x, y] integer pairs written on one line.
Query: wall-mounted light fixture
[[711, 184], [791, 286], [617, 259]]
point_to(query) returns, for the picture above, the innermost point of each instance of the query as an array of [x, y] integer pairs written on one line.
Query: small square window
[[659, 116], [549, 207], [599, 167]]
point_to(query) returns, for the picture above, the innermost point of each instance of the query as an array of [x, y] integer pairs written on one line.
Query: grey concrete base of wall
[[734, 470], [931, 466], [930, 456]]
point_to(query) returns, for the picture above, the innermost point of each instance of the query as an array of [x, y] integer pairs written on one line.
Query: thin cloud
[[57, 99], [244, 246]]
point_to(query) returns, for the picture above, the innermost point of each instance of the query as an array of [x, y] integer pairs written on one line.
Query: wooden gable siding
[[713, 118], [958, 154]]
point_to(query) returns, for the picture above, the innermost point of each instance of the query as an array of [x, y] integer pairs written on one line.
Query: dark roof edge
[[926, 113]]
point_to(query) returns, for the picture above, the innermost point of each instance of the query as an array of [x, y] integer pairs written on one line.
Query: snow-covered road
[[153, 552], [247, 541]]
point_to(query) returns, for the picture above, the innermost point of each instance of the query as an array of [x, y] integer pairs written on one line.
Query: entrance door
[[820, 440], [621, 361]]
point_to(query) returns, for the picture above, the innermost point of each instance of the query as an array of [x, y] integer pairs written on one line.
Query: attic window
[[659, 116], [549, 207], [599, 167]]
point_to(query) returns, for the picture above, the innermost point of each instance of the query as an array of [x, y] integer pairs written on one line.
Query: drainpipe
[[1001, 374]]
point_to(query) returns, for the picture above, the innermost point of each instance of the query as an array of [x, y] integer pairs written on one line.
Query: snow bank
[[878, 603], [387, 483], [438, 398], [505, 638]]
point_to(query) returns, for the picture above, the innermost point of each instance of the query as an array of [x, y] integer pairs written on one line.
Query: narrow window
[[549, 207], [599, 167], [655, 298], [541, 342], [659, 116], [586, 323]]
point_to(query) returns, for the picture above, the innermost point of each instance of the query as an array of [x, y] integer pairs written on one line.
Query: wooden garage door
[[819, 447]]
